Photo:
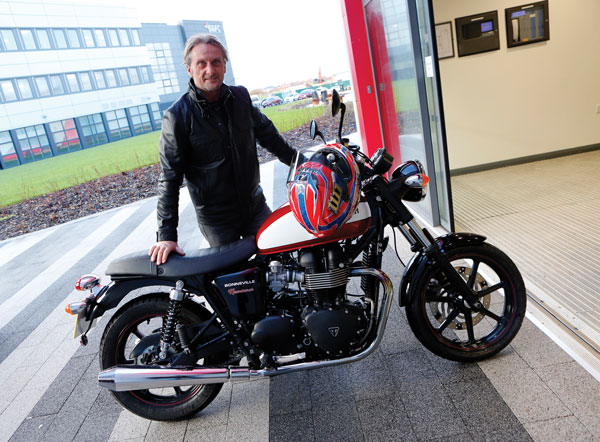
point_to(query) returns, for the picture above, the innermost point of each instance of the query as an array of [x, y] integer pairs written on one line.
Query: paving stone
[[578, 389], [60, 389], [32, 429], [335, 422], [398, 336], [249, 412], [330, 385], [97, 426], [297, 427], [163, 431], [129, 426], [537, 349], [385, 419], [370, 377], [216, 413], [289, 393], [206, 434], [561, 429]]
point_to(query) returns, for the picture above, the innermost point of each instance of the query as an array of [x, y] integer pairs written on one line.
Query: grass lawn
[[52, 174]]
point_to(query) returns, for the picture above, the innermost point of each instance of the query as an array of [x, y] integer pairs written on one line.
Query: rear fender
[[420, 261], [119, 289]]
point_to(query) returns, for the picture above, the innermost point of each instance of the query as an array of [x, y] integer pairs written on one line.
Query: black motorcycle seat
[[193, 263]]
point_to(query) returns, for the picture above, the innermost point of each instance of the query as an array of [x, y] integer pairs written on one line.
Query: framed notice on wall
[[527, 24], [445, 41]]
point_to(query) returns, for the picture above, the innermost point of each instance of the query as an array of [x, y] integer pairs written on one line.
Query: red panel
[[362, 75], [383, 78]]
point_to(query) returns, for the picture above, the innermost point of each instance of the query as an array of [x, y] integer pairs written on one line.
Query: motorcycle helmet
[[324, 191]]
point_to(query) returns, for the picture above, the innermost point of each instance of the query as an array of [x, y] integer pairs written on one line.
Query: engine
[[319, 319]]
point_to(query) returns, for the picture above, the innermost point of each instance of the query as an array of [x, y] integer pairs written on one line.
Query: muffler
[[126, 378]]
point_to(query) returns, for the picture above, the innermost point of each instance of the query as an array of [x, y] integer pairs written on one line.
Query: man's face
[[207, 68]]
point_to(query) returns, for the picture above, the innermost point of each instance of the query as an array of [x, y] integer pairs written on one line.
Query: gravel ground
[[124, 188]]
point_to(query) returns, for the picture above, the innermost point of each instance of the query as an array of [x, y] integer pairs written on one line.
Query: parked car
[[271, 101], [306, 93], [255, 100], [290, 98]]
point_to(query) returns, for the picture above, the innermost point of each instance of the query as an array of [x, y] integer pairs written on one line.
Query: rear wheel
[[448, 326], [141, 321]]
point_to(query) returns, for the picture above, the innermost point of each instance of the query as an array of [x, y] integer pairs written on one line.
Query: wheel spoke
[[490, 289], [470, 331], [178, 391], [492, 315], [453, 314], [138, 333], [437, 298], [473, 275]]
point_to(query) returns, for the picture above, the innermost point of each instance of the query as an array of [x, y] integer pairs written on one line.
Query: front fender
[[420, 261]]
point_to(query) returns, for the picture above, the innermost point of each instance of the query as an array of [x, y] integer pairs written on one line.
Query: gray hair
[[197, 39]]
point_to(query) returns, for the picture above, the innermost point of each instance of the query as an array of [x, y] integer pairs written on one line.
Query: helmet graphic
[[325, 190]]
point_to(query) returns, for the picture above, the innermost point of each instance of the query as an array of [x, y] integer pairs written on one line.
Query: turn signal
[[425, 179], [87, 282], [75, 308]]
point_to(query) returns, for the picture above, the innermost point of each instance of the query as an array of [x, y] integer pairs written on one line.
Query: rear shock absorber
[[168, 331]]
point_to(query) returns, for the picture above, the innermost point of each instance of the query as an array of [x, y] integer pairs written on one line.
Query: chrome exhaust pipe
[[127, 378], [132, 377]]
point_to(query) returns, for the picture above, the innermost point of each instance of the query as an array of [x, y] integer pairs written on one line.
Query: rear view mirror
[[335, 103]]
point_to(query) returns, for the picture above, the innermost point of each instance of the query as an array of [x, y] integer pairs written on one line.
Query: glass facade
[[140, 119], [65, 136], [8, 154], [118, 126], [34, 143], [163, 67], [93, 131]]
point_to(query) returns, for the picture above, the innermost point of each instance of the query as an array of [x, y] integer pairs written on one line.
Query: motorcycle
[[291, 300]]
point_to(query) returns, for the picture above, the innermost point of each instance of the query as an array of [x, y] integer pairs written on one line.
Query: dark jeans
[[231, 230]]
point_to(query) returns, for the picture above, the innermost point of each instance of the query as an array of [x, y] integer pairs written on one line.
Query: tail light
[[87, 282]]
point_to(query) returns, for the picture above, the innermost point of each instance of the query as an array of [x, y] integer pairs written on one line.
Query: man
[[209, 138]]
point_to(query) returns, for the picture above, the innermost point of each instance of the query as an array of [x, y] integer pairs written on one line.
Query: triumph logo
[[334, 331], [213, 28]]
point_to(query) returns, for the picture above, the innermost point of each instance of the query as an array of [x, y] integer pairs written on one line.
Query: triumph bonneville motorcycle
[[303, 294]]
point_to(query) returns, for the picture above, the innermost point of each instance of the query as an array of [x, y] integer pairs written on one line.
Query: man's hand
[[160, 252]]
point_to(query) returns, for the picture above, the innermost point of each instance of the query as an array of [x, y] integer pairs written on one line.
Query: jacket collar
[[197, 95]]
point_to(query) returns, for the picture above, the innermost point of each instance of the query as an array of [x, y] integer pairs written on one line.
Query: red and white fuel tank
[[282, 233]]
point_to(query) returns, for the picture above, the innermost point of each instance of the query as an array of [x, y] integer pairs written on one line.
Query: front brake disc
[[441, 310]]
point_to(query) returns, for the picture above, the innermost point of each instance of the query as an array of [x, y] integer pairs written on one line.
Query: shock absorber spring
[[168, 331]]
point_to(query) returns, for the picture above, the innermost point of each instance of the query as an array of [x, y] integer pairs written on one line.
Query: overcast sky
[[271, 42]]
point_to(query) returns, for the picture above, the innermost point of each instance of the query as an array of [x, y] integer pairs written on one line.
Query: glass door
[[407, 95]]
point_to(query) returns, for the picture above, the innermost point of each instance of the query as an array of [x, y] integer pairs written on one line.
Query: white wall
[[527, 100]]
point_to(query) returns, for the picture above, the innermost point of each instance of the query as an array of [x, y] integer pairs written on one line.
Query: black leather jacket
[[215, 151]]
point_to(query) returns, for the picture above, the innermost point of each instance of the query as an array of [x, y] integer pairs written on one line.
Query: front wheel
[[448, 326], [140, 323]]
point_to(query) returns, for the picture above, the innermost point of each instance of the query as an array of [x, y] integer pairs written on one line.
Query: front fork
[[421, 239]]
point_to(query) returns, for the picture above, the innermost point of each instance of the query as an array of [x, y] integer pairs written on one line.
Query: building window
[[123, 78], [8, 90], [100, 39], [9, 42], [73, 38], [133, 75], [42, 86], [118, 125], [27, 39], [65, 136], [88, 38], [163, 68], [124, 37], [92, 129], [136, 37], [24, 88], [156, 115], [140, 120], [111, 80], [7, 150], [59, 38], [86, 81], [145, 74], [56, 85], [43, 38], [99, 78], [113, 38], [72, 83], [34, 143]]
